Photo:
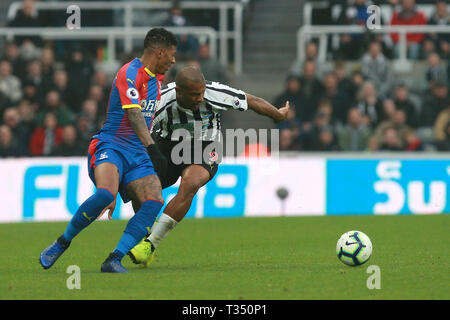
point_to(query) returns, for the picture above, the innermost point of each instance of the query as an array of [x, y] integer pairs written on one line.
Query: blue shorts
[[132, 165]]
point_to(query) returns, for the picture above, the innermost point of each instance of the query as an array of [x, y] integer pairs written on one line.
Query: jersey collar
[[151, 74]]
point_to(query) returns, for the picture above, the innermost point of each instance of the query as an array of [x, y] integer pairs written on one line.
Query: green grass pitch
[[237, 258]]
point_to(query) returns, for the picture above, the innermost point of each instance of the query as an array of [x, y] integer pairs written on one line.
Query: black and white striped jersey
[[203, 123]]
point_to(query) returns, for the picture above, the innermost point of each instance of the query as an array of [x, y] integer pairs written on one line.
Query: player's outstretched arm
[[263, 107]]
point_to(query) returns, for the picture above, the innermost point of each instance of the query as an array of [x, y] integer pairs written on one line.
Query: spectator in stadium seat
[[10, 85], [403, 102], [46, 137], [326, 140], [30, 93], [434, 103], [391, 140], [54, 105], [325, 106], [69, 146], [412, 141], [27, 114], [311, 51], [311, 89], [290, 131], [102, 80], [397, 122], [292, 93], [435, 71], [8, 145], [4, 103], [387, 46], [310, 138], [60, 83], [47, 65], [351, 44], [311, 54], [288, 141], [90, 108], [355, 135], [80, 71], [86, 128], [409, 15], [369, 105], [339, 100], [441, 17], [20, 132], [344, 80], [357, 80], [373, 144], [376, 68], [12, 54], [211, 68], [34, 76], [442, 129], [97, 94], [28, 51], [187, 44], [27, 16], [387, 110], [428, 47]]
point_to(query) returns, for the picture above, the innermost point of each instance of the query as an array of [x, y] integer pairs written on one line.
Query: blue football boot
[[112, 264], [50, 254]]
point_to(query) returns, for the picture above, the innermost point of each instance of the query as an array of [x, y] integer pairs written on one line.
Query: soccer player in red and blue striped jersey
[[135, 86], [120, 155]]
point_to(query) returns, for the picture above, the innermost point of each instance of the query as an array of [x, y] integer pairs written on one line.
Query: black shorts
[[174, 171]]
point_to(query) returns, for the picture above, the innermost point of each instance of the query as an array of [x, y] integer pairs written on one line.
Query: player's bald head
[[190, 87], [188, 75]]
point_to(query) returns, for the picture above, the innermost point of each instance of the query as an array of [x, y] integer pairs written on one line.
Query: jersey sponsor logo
[[132, 93], [149, 106]]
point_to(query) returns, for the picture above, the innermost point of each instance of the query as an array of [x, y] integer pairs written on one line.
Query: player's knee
[[154, 196], [104, 196], [106, 190], [160, 199]]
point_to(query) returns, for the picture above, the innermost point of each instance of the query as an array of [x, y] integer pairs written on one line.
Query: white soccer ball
[[354, 248]]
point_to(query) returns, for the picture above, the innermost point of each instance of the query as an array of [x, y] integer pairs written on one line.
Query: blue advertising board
[[389, 186]]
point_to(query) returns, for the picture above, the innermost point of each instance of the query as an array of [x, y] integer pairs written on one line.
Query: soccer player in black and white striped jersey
[[190, 103], [216, 98]]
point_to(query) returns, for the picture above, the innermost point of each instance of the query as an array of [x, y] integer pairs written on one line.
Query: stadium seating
[[266, 45]]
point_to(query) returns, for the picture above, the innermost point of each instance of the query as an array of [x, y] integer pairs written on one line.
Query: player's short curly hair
[[158, 38]]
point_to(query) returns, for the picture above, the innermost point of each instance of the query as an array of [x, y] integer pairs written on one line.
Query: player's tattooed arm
[[263, 107], [139, 125], [137, 122]]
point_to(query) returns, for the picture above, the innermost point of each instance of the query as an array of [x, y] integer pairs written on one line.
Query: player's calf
[[85, 215]]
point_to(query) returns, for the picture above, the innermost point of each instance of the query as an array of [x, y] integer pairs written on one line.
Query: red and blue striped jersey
[[133, 87]]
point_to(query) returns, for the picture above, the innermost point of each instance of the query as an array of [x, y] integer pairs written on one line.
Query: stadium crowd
[[53, 98], [369, 108]]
